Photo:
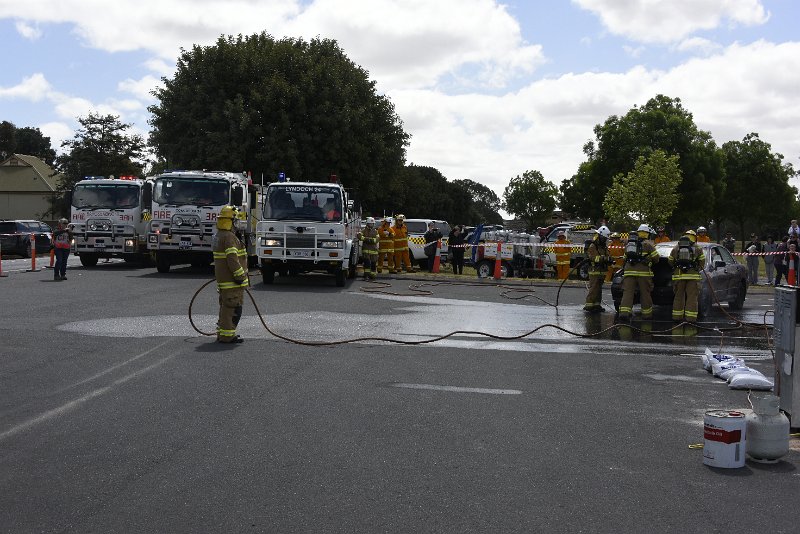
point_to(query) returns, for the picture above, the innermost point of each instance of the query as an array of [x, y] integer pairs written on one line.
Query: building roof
[[39, 168]]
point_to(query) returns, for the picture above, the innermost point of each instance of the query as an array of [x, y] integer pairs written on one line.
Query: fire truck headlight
[[129, 243], [178, 221], [330, 244], [271, 242]]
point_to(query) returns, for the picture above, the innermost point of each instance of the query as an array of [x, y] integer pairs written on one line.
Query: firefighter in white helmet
[[688, 259], [369, 248], [640, 254], [230, 270], [599, 260]]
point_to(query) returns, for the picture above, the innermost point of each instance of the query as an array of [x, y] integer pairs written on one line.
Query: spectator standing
[[752, 248], [794, 230], [770, 247], [662, 236], [432, 237], [702, 235], [455, 244], [729, 242], [62, 240], [780, 259]]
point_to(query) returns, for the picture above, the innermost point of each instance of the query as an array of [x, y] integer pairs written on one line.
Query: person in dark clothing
[[62, 241], [780, 260], [753, 247], [432, 237], [455, 243]]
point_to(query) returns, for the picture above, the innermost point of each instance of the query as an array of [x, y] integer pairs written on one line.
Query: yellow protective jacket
[[563, 253], [692, 271], [369, 241], [386, 236], [400, 237], [599, 259], [703, 239], [230, 261]]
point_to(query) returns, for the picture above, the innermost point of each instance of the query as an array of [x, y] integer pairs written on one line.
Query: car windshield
[[105, 196], [303, 202], [191, 191]]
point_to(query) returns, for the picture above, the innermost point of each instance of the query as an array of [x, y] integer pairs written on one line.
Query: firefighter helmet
[[225, 218], [370, 221], [603, 231], [692, 235], [644, 231], [401, 217], [701, 229]]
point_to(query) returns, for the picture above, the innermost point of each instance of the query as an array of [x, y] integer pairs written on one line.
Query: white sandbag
[[740, 370], [709, 359], [719, 367], [750, 381]]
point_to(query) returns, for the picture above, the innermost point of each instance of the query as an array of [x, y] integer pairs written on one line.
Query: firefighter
[[386, 252], [688, 260], [401, 245], [617, 252], [640, 254], [230, 270], [599, 259], [369, 248], [702, 235], [662, 237], [563, 253]]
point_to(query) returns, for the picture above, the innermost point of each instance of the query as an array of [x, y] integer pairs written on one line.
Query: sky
[[487, 90]]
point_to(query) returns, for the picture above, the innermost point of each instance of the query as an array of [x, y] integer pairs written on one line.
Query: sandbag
[[750, 381]]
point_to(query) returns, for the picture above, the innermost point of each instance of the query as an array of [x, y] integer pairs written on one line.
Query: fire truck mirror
[[253, 196], [237, 195]]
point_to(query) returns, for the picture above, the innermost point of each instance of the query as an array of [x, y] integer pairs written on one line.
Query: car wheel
[[738, 302], [341, 275], [162, 264], [26, 251], [267, 275], [88, 260], [485, 269]]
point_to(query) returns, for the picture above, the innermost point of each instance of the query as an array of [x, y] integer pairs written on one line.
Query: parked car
[[15, 237], [416, 239], [722, 273]]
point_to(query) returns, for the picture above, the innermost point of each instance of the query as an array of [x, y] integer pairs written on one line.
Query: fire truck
[[184, 215], [109, 218], [308, 226]]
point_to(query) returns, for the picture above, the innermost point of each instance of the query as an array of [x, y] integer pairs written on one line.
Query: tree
[[264, 105], [758, 191], [29, 141], [662, 123], [531, 198], [100, 147], [646, 194], [484, 203]]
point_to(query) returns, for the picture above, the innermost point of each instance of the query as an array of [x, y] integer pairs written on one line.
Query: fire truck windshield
[[303, 202], [105, 196], [193, 191]]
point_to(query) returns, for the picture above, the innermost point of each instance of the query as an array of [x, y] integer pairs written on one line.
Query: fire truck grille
[[300, 241]]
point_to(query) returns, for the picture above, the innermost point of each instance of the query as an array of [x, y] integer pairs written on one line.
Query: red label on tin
[[723, 436]]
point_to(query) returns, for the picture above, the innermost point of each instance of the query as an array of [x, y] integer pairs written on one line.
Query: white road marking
[[456, 389], [50, 414]]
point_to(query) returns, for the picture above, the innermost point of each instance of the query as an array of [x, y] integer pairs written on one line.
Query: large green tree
[[758, 194], [101, 146], [662, 123], [484, 205], [27, 140], [646, 194], [265, 105], [531, 198]]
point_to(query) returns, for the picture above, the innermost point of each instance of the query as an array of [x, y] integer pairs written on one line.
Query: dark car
[[722, 272], [15, 237]]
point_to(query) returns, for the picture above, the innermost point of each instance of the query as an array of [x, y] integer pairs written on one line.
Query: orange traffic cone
[[52, 258], [436, 259], [497, 272], [33, 268], [791, 278]]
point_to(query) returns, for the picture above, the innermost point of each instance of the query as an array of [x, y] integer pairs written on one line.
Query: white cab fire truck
[[184, 215], [109, 218], [308, 226]]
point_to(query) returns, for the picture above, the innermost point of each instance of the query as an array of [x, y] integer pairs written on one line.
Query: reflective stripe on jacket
[[230, 261]]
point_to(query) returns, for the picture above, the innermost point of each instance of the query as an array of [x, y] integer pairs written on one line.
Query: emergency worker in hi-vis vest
[[640, 254], [230, 270], [688, 259], [401, 255], [386, 242], [563, 253]]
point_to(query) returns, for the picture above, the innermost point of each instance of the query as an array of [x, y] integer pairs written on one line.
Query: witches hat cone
[[498, 273], [792, 277], [436, 259]]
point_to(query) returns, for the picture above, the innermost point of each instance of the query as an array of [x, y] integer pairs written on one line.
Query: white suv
[[416, 239]]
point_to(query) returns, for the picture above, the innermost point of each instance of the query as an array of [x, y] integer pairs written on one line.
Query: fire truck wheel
[[340, 276], [88, 260], [162, 264], [351, 270], [267, 275]]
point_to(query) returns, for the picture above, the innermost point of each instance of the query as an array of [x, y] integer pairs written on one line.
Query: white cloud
[[57, 132], [140, 88], [160, 67], [33, 88], [698, 44], [27, 31], [666, 21], [633, 51]]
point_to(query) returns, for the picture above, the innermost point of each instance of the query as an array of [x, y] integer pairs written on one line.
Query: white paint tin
[[724, 432]]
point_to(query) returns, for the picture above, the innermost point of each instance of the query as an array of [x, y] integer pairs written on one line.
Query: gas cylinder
[[767, 430]]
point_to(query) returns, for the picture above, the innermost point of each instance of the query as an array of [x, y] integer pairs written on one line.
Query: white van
[[416, 239]]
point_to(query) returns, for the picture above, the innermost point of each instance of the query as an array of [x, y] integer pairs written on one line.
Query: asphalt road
[[116, 416]]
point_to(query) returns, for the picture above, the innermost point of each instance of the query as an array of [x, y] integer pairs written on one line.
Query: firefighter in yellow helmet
[[401, 255], [230, 270], [369, 248], [386, 241], [688, 259], [640, 254], [563, 252]]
